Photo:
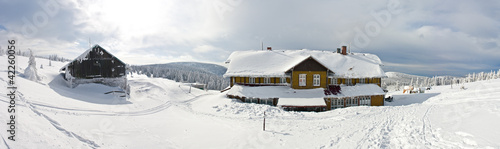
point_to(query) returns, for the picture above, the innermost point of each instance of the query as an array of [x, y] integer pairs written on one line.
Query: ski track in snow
[[4, 142], [56, 125]]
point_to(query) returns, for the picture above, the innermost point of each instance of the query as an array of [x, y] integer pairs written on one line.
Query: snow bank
[[220, 106]]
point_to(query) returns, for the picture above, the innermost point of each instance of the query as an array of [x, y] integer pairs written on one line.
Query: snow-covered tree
[[498, 73], [30, 72], [492, 74], [2, 52], [397, 86], [434, 81]]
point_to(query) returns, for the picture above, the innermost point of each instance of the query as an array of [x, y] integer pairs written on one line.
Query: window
[[348, 82], [254, 100], [362, 80], [251, 80], [316, 80], [302, 79], [355, 101], [351, 101], [268, 101], [337, 103], [283, 80], [333, 81], [267, 80], [365, 101]]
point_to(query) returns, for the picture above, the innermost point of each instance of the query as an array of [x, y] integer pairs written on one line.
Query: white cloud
[[205, 49], [459, 34]]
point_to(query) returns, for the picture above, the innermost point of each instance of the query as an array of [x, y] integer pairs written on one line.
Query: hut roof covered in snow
[[275, 63], [86, 55], [287, 92], [95, 62]]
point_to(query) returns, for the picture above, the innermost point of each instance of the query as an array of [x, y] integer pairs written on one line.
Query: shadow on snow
[[408, 99], [92, 93]]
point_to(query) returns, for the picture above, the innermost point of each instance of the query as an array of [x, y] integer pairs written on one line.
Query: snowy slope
[[402, 76], [399, 78], [189, 72], [163, 114], [193, 66], [395, 79], [211, 68]]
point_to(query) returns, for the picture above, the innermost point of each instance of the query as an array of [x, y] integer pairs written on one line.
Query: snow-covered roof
[[301, 102], [84, 56], [275, 63], [274, 92], [287, 92], [359, 90]]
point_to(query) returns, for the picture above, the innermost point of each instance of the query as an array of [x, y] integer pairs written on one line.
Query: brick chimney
[[344, 50]]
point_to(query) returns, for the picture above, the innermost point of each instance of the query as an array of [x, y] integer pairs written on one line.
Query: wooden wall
[[258, 80], [354, 81], [309, 79], [295, 76], [377, 100], [98, 64]]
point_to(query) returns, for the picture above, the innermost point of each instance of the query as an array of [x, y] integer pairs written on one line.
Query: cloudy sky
[[427, 37]]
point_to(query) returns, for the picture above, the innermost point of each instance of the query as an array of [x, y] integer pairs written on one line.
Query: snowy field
[[164, 114]]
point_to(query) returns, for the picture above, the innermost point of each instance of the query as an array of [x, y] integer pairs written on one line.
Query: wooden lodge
[[338, 74], [95, 65]]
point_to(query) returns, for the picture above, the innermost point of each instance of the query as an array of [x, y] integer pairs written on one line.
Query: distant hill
[[395, 80], [188, 72], [210, 68], [393, 77]]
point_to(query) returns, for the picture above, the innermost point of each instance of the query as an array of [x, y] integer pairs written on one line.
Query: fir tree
[[30, 72]]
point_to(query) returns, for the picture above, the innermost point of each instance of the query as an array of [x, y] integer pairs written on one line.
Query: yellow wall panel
[[377, 100], [309, 79]]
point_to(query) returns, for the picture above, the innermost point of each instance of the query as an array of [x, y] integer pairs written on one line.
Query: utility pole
[[349, 47], [262, 46], [264, 124]]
